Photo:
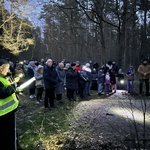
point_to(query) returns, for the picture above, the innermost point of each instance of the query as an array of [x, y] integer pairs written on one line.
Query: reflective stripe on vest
[[7, 105], [10, 103]]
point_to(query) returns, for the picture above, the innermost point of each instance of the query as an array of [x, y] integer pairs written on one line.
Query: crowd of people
[[53, 80]]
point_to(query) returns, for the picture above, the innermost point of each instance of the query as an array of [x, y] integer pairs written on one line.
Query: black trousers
[[39, 93], [70, 94], [32, 89], [8, 137], [81, 90], [49, 97], [142, 81], [58, 97]]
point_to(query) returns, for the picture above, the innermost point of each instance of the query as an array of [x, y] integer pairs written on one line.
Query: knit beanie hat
[[3, 61]]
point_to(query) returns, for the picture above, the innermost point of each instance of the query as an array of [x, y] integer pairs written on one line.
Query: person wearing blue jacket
[[100, 81]]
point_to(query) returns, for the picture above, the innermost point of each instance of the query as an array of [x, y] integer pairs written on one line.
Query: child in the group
[[39, 83], [100, 81], [113, 81], [107, 83], [130, 76]]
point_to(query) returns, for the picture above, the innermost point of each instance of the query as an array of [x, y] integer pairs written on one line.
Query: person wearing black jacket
[[50, 81], [82, 79], [8, 106], [71, 82], [30, 74]]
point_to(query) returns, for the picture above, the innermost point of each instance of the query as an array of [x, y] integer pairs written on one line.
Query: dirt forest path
[[118, 121]]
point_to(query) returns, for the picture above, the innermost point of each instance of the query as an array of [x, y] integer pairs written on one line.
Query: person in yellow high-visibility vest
[[8, 106]]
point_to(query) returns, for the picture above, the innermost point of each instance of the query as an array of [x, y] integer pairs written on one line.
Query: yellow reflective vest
[[10, 103]]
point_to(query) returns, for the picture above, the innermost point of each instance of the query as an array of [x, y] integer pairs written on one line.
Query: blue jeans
[[107, 88], [87, 88], [130, 86], [100, 87]]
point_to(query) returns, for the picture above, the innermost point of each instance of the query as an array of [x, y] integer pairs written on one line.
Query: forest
[[83, 30]]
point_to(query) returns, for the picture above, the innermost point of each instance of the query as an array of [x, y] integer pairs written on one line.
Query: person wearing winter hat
[[73, 64], [144, 76], [71, 82], [89, 79], [130, 77], [67, 65], [8, 106], [39, 83], [78, 67], [60, 90], [30, 73]]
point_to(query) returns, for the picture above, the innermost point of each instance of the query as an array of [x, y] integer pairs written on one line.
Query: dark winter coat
[[112, 77], [89, 76], [61, 73], [94, 75], [101, 77], [72, 79], [49, 77], [30, 74], [31, 69], [107, 67], [115, 68], [82, 78]]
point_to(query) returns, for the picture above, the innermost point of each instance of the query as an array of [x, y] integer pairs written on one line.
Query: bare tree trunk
[[144, 52], [122, 35], [133, 47]]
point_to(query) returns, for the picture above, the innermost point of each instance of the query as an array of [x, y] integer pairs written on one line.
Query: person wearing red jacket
[[77, 66]]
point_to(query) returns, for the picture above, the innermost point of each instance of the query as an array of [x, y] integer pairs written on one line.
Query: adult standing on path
[[50, 81], [71, 82], [130, 78], [89, 79], [39, 83], [144, 75], [8, 107], [30, 73], [61, 73]]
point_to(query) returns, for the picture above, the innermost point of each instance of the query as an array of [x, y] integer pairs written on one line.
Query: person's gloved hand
[[13, 85], [16, 79], [18, 90]]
